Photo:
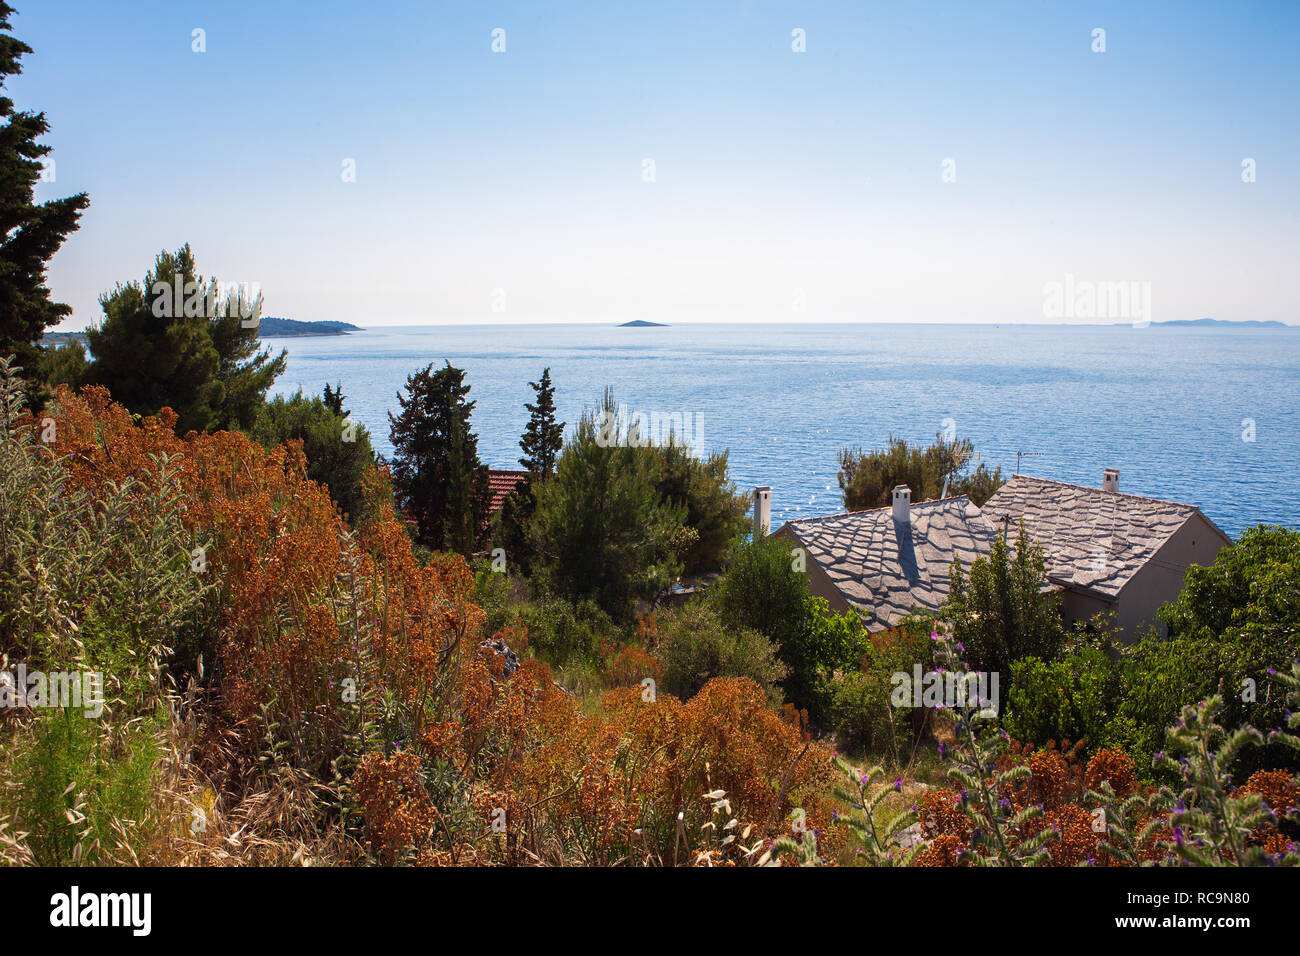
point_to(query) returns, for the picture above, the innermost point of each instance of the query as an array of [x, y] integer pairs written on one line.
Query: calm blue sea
[[1165, 406]]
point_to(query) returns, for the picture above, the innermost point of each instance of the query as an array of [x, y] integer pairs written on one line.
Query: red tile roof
[[502, 481]]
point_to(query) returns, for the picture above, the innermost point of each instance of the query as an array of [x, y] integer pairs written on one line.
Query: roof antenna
[[1026, 454]]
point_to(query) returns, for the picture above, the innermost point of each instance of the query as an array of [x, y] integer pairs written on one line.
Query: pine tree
[[334, 398], [601, 529], [177, 340], [437, 476], [30, 232], [543, 436], [245, 370]]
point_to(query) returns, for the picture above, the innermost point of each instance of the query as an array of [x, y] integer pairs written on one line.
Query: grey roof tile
[[883, 570], [1090, 538]]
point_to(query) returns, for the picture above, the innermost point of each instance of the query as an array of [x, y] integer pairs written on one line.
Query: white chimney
[[1110, 480], [762, 512], [902, 504]]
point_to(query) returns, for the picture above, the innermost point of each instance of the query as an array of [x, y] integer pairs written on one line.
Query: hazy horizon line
[[611, 323]]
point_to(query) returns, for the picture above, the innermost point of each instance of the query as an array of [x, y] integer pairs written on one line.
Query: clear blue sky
[[778, 173]]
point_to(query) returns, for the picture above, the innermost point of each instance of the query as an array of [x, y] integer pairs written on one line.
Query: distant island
[[642, 324], [270, 325], [1236, 324]]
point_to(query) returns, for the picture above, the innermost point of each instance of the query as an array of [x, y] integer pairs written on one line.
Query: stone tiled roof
[[883, 569], [1091, 538]]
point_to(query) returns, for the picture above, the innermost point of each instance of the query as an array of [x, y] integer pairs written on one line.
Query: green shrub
[[861, 708], [868, 478], [1072, 698], [78, 777], [601, 529], [560, 631], [73, 570], [1001, 612], [761, 590], [714, 511], [1233, 627], [695, 646], [64, 365], [338, 450], [1158, 678]]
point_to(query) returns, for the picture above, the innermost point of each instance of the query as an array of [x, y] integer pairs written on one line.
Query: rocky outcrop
[[499, 647]]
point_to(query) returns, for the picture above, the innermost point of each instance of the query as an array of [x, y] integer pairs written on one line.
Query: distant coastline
[[274, 326], [1234, 323], [52, 339], [269, 326], [642, 324]]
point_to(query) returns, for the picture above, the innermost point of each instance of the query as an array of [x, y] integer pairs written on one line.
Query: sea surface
[[1209, 416]]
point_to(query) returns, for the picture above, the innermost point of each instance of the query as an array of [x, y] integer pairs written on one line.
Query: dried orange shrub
[[103, 439], [1116, 767], [529, 750], [607, 788], [1279, 791], [1048, 777], [724, 738], [1277, 788], [631, 665], [399, 814], [1076, 841], [1057, 772], [1113, 766], [947, 849], [940, 814], [422, 618], [1277, 844], [301, 604], [648, 632], [1056, 783]]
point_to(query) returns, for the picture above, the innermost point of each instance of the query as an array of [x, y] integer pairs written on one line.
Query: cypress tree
[[437, 476], [542, 442], [543, 436]]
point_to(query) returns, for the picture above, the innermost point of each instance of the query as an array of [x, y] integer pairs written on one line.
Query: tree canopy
[[868, 478], [601, 528], [629, 515], [543, 436], [437, 476], [1002, 612], [185, 342], [541, 443], [338, 450], [30, 232]]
